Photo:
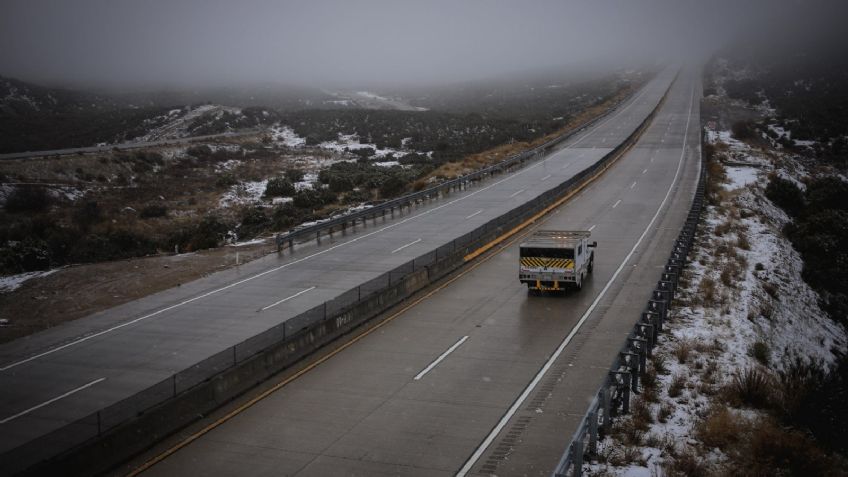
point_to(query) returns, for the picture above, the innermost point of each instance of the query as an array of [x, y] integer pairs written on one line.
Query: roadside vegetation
[[119, 205], [751, 374]]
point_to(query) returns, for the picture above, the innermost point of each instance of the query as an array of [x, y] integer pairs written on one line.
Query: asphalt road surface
[[480, 378], [365, 410]]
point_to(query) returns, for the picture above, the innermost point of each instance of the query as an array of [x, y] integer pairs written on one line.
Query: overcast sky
[[215, 42]]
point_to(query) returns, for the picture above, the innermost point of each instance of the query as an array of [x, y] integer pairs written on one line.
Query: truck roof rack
[[561, 238]]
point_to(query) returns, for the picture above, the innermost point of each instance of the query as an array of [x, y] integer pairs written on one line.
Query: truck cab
[[556, 260]]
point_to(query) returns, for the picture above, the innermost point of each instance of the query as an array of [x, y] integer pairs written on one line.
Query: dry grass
[[664, 412], [752, 387], [708, 292], [497, 154], [721, 428], [675, 387], [682, 350], [686, 464]]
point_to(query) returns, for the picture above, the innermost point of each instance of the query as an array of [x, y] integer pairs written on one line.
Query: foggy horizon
[[332, 43]]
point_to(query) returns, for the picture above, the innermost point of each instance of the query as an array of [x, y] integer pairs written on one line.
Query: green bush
[[285, 216], [226, 180], [742, 130], [393, 186], [28, 199], [294, 175], [154, 210], [279, 187], [312, 199], [87, 215], [786, 195], [253, 222], [114, 245]]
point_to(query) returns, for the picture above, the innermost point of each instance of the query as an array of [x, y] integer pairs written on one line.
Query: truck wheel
[[579, 284], [591, 263]]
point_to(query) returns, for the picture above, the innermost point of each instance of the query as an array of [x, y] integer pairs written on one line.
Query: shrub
[[253, 222], [659, 362], [760, 351], [742, 130], [294, 175], [279, 187], [707, 290], [27, 255], [113, 245], [813, 399], [311, 199], [392, 187], [209, 232], [826, 193], [786, 195], [685, 464], [664, 412], [675, 388], [721, 428], [682, 350], [641, 415], [773, 450], [153, 210], [284, 217], [87, 215], [226, 180], [28, 199], [751, 387], [340, 183]]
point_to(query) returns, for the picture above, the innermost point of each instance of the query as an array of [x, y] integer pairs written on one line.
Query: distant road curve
[[122, 146]]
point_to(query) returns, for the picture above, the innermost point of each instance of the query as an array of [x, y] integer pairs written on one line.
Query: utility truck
[[556, 260]]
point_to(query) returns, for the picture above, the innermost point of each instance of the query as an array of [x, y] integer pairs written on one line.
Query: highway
[[369, 398], [480, 378]]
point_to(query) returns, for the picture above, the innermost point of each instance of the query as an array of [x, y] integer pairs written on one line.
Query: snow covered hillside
[[739, 348]]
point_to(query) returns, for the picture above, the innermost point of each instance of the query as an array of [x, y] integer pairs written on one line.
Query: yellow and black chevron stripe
[[545, 262]]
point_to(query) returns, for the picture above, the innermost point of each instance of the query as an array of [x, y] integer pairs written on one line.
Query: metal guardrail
[[613, 398], [73, 435], [460, 183]]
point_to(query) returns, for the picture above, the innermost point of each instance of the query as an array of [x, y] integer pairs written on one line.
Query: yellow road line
[[164, 455], [521, 226]]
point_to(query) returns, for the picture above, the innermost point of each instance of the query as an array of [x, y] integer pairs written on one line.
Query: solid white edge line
[[51, 401], [523, 396], [616, 203], [474, 214], [407, 245], [440, 358], [321, 252], [287, 298]]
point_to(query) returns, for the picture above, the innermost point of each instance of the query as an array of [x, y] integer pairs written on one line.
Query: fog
[[335, 42]]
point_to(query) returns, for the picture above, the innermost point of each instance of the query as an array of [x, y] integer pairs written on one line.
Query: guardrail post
[[606, 401], [577, 457], [641, 345], [593, 432], [632, 362]]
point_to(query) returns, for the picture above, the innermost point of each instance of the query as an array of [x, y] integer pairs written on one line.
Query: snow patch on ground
[[13, 282], [741, 177], [243, 193], [764, 301], [247, 243], [286, 136]]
